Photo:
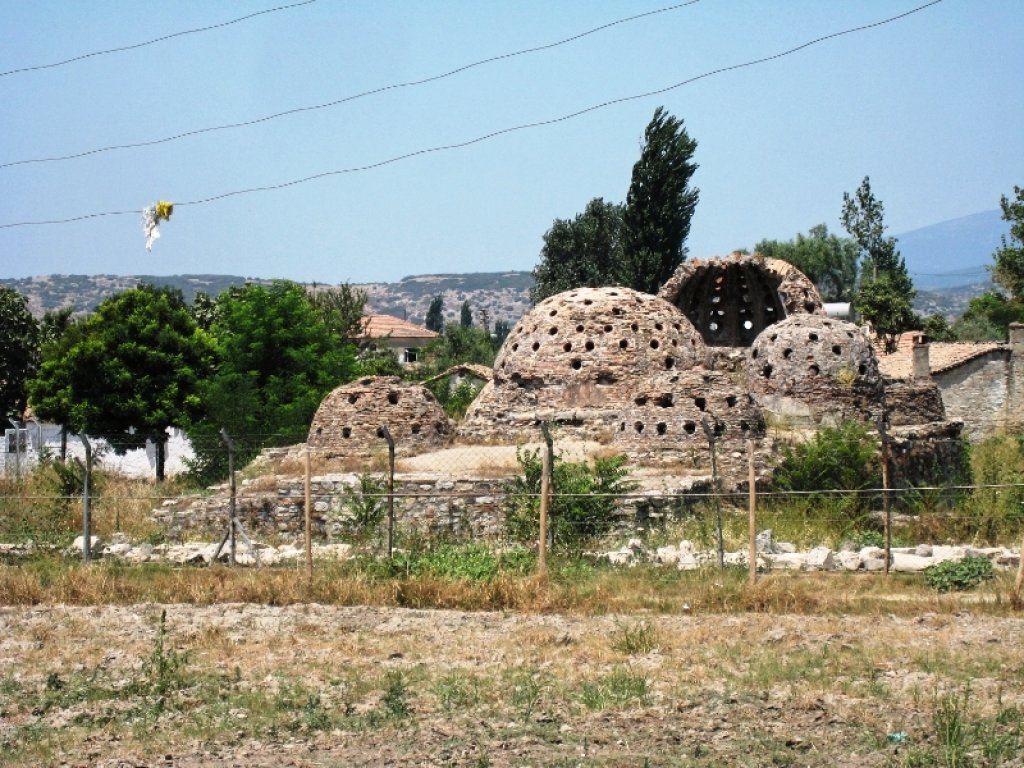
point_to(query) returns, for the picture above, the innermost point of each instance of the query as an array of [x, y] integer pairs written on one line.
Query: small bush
[[996, 507], [958, 575]]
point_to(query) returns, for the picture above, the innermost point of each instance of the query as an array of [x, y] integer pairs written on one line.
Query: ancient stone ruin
[[348, 419]]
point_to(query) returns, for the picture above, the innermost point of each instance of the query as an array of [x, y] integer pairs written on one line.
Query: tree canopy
[[19, 351], [435, 315], [127, 372], [886, 293], [828, 260], [638, 244], [1008, 269]]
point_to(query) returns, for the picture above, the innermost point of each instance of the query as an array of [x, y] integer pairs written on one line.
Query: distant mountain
[[952, 253]]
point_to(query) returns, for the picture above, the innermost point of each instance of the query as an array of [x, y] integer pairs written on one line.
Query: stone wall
[[913, 402], [977, 394]]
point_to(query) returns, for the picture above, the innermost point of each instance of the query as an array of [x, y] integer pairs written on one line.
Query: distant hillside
[[952, 253], [505, 295]]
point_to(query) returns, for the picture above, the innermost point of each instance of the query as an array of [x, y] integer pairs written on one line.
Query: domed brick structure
[[731, 300], [809, 368], [582, 358], [347, 420]]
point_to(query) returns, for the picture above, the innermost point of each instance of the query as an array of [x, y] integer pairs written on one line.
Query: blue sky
[[929, 106]]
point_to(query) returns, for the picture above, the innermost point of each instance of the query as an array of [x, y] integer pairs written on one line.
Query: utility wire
[[346, 99], [493, 134], [153, 41]]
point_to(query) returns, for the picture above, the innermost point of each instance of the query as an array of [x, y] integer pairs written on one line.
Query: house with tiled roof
[[981, 383], [406, 340]]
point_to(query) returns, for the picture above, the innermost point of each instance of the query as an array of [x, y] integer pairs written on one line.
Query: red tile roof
[[942, 356], [384, 326]]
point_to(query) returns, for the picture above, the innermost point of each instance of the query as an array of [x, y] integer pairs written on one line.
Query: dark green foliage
[[341, 310], [583, 252], [937, 328], [435, 315], [988, 316], [958, 575], [366, 505], [455, 401], [582, 503], [836, 458], [828, 260], [476, 561], [660, 204], [128, 372], [501, 332], [466, 315], [19, 352], [886, 292], [276, 359], [458, 344], [995, 510]]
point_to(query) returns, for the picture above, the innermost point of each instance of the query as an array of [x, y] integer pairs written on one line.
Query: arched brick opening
[[730, 303]]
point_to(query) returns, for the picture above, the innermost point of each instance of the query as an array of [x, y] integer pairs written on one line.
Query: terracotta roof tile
[[383, 326], [942, 356]]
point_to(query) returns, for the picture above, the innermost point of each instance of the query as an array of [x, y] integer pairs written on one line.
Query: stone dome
[[732, 300], [348, 418], [604, 336], [811, 367]]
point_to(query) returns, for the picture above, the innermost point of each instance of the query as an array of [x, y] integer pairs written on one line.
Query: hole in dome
[[690, 427], [552, 330], [786, 353], [665, 400], [639, 427], [613, 293], [588, 302], [715, 299], [552, 313], [675, 343], [719, 428], [579, 329], [607, 329], [516, 376], [353, 398], [622, 427], [836, 349], [319, 431], [346, 431], [812, 336], [515, 346], [567, 346], [536, 346], [670, 363], [634, 327], [748, 324], [589, 346], [623, 343], [713, 327], [616, 311], [700, 402], [415, 429], [767, 371], [849, 334], [731, 401], [576, 364], [393, 398], [662, 427], [658, 327], [606, 378], [814, 369], [640, 400], [677, 326], [654, 344], [809, 306], [753, 354], [862, 369], [502, 363], [770, 309], [744, 426], [773, 337]]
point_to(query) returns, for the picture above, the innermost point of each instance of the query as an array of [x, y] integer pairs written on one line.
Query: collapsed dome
[[732, 300], [349, 417], [817, 367], [604, 336]]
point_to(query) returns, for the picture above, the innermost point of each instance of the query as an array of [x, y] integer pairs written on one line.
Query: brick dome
[[813, 366], [607, 336]]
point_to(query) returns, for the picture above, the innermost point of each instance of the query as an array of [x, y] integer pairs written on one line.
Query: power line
[[346, 99], [153, 41], [493, 134]]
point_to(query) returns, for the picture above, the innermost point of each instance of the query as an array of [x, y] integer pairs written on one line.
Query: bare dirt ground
[[311, 685]]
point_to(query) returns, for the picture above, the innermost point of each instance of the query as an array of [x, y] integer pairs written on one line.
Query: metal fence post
[[87, 502]]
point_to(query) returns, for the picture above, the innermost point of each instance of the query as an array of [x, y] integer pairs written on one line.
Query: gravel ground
[[499, 689]]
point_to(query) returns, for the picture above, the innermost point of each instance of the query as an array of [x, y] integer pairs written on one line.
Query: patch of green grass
[[959, 575], [635, 639], [620, 688], [457, 690]]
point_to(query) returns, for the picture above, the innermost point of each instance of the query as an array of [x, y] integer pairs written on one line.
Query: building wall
[[977, 393]]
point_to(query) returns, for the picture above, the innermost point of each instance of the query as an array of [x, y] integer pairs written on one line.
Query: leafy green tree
[[886, 294], [937, 328], [341, 309], [466, 315], [128, 372], [828, 260], [660, 204], [1008, 270], [501, 332], [987, 317], [276, 359], [458, 344], [435, 315], [19, 351], [583, 252], [55, 323]]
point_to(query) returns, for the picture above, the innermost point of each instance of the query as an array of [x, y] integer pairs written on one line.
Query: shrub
[[994, 511], [366, 504], [582, 499], [958, 575], [837, 458]]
